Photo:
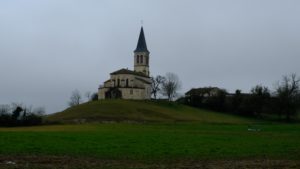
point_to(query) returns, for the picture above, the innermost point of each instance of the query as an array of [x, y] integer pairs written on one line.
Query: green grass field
[[191, 139], [154, 141]]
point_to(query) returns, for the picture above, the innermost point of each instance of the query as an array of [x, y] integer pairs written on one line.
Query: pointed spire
[[141, 45]]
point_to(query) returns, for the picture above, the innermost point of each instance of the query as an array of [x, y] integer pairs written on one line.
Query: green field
[[199, 139], [153, 141]]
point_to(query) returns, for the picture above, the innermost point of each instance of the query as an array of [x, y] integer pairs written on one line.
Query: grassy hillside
[[141, 111]]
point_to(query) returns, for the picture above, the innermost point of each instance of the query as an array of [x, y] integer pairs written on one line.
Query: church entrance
[[113, 93]]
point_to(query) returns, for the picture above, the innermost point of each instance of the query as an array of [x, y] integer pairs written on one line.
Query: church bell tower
[[141, 55]]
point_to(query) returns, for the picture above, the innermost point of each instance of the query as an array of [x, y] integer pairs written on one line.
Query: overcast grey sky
[[48, 48]]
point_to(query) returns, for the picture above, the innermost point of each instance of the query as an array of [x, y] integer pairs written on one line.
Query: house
[[203, 92]]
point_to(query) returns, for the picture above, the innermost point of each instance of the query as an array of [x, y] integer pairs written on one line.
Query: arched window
[[126, 82], [142, 58], [138, 59]]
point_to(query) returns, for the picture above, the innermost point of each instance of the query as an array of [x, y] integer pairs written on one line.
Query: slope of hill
[[140, 111]]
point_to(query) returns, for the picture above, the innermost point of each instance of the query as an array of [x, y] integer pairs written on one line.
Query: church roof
[[107, 81], [126, 71], [141, 45]]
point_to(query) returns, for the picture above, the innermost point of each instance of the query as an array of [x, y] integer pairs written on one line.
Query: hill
[[140, 111]]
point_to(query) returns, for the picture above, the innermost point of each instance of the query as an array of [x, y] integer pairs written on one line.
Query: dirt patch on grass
[[65, 162]]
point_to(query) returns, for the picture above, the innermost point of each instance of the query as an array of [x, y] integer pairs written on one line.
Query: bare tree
[[288, 92], [156, 84], [14, 105], [75, 98], [16, 113], [259, 97], [40, 111], [28, 109], [170, 86], [4, 109], [88, 95]]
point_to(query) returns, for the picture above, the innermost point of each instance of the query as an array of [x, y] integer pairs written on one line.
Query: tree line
[[282, 103], [18, 115]]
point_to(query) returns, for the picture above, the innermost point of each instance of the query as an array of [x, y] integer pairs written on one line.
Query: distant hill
[[140, 111]]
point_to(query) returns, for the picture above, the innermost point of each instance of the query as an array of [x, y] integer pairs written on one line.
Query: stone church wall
[[132, 93], [101, 93], [128, 93]]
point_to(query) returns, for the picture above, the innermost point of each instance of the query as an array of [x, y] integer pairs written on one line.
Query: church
[[128, 84]]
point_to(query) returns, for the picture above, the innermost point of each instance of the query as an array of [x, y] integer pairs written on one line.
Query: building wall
[[122, 78], [132, 93], [101, 93], [135, 90], [129, 93]]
